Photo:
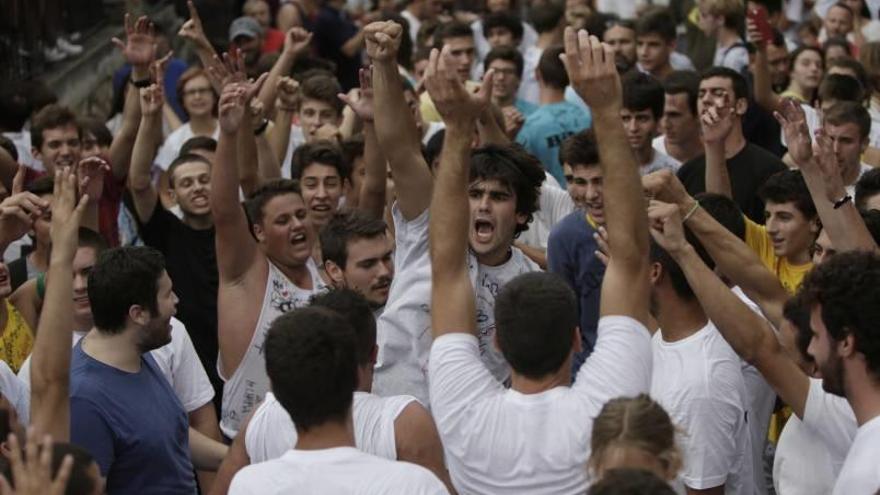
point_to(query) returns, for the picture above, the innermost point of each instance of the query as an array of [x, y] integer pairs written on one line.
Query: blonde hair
[[638, 422]]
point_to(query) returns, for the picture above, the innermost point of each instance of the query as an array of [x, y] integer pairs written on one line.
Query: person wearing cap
[[246, 34]]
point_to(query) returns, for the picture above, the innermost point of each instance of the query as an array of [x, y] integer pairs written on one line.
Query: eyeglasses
[[197, 91]]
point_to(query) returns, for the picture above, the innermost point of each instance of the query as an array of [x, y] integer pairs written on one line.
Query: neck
[[800, 258], [497, 257], [40, 257], [645, 155], [203, 125], [548, 39], [198, 222], [524, 385], [862, 392], [331, 434], [735, 142], [686, 150], [549, 95], [727, 37], [800, 90], [365, 378], [679, 319], [116, 350], [663, 71]]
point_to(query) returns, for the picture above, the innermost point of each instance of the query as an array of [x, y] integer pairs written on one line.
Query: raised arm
[[818, 164], [452, 294], [716, 124], [763, 87], [50, 365], [296, 41], [236, 249], [746, 332], [371, 197], [396, 129], [149, 135], [593, 74], [285, 107], [192, 31], [138, 49], [732, 256]]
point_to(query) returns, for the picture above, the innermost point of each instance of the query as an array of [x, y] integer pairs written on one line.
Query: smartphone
[[758, 15]]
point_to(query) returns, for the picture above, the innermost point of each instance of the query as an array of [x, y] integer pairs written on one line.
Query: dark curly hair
[[847, 287], [514, 167]]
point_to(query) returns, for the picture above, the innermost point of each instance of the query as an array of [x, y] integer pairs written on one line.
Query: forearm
[[206, 453], [123, 142], [395, 127], [536, 254], [8, 169], [371, 198], [763, 86], [738, 262], [269, 167], [90, 216], [845, 225], [279, 135], [204, 420], [248, 168], [717, 176], [145, 145], [489, 130], [628, 232], [50, 360], [281, 68], [224, 180]]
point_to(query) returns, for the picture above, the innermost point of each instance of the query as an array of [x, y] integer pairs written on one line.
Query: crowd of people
[[582, 247]]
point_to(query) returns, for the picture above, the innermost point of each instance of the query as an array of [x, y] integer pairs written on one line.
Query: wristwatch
[[842, 201]]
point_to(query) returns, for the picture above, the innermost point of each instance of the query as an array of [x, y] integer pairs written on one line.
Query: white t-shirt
[[414, 24], [404, 329], [498, 440], [22, 142], [554, 204], [177, 360], [734, 57], [528, 86], [659, 162], [16, 392], [336, 471], [699, 381], [170, 149], [271, 432], [297, 139], [802, 465], [861, 470], [831, 418]]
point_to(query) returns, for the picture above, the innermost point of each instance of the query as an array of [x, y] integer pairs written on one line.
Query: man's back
[[545, 130], [271, 432], [132, 424], [502, 441], [335, 471]]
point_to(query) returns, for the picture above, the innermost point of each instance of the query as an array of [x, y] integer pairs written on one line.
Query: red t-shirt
[[273, 42], [108, 205]]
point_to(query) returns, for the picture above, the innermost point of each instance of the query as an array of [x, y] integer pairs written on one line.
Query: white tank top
[[249, 384], [271, 432]]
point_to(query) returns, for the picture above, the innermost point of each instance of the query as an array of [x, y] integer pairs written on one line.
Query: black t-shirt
[[332, 30], [191, 262], [748, 170]]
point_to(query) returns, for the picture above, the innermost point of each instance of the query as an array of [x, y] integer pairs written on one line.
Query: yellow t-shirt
[[788, 274], [17, 340], [429, 111]]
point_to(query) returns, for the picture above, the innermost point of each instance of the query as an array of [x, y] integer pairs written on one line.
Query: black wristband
[[262, 128], [143, 83], [842, 201]]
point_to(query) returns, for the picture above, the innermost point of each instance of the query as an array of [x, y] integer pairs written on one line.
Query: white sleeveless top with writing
[[245, 389], [271, 432]]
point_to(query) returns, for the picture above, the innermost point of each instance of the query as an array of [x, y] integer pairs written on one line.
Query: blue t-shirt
[[133, 425], [526, 108], [571, 255], [545, 130]]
